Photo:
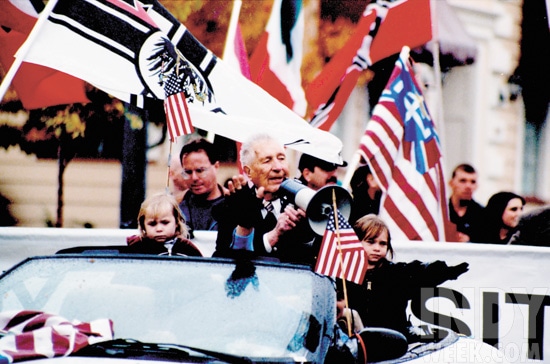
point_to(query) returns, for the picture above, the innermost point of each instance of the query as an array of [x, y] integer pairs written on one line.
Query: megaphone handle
[[336, 222]]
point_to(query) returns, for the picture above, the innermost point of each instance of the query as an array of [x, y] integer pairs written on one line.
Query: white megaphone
[[317, 204]]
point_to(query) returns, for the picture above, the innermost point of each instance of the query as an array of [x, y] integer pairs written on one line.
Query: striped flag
[[384, 28], [35, 334], [402, 149], [36, 86], [341, 254], [175, 105], [276, 62], [122, 47]]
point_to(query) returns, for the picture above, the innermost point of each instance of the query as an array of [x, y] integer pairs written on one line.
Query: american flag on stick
[[341, 254], [178, 119]]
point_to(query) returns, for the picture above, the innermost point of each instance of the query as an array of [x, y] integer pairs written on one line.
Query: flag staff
[[22, 51], [169, 166], [341, 259], [356, 159]]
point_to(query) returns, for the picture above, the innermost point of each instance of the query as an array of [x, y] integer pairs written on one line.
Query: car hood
[[96, 360]]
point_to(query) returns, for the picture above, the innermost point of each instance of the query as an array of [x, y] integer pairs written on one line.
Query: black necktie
[[270, 218]]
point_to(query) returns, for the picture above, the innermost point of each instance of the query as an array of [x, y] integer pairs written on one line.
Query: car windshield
[[257, 310]]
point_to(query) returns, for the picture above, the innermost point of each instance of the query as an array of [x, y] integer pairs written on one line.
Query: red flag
[[35, 334], [341, 253], [276, 62], [402, 148], [383, 30], [175, 105], [37, 86]]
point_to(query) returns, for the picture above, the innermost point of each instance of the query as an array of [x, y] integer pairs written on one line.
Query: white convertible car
[[101, 306]]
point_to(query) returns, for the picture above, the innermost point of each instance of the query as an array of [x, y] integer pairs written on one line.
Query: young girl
[[162, 229], [381, 300]]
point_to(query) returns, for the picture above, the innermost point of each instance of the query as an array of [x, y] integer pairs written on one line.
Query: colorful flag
[[175, 105], [383, 30], [402, 149], [35, 335], [341, 254], [234, 52], [117, 47], [36, 86], [276, 62], [236, 56]]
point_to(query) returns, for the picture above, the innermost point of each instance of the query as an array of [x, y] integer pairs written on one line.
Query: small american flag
[[35, 334], [175, 106], [345, 258]]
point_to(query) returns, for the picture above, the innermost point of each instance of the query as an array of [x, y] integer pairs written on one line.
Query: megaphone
[[317, 204]]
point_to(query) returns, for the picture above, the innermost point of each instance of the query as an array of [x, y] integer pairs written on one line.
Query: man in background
[[317, 173], [200, 164], [464, 211]]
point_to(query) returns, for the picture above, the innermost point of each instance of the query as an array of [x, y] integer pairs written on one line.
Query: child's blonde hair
[[369, 227], [157, 203]]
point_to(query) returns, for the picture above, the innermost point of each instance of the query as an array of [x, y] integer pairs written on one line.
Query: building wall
[[91, 189], [484, 127]]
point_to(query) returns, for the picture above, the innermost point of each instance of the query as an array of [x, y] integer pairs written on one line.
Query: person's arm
[[433, 273], [243, 239]]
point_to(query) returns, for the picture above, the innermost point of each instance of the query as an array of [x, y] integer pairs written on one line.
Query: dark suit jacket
[[300, 245]]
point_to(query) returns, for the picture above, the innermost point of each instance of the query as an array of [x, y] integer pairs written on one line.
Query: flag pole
[[352, 166], [341, 259], [232, 28], [22, 51], [169, 166]]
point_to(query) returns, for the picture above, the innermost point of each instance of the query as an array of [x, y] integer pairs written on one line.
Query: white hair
[[248, 153]]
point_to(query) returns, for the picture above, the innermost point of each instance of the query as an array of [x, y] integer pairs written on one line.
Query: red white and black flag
[[384, 28], [124, 48], [36, 86]]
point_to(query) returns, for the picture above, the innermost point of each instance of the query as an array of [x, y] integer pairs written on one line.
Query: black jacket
[[139, 245], [382, 299], [300, 245]]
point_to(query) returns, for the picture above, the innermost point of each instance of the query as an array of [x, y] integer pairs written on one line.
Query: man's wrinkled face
[[464, 185], [269, 167]]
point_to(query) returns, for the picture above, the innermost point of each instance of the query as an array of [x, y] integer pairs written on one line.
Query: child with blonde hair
[[162, 229]]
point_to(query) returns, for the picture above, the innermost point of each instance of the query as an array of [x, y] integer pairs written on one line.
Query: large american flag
[[402, 149], [341, 254], [36, 334], [178, 120]]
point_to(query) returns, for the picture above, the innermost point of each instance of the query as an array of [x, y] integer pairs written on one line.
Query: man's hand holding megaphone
[[248, 201]]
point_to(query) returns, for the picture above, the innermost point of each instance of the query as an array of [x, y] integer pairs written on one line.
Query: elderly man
[[257, 222], [200, 165]]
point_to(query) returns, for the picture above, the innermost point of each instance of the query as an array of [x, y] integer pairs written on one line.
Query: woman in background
[[502, 215]]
